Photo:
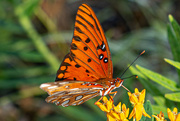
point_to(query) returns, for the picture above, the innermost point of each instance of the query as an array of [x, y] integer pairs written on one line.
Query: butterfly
[[87, 70]]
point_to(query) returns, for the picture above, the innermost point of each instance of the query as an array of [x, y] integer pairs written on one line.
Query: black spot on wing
[[77, 38], [77, 66], [85, 48], [78, 29], [87, 40], [89, 60], [87, 71], [73, 46]]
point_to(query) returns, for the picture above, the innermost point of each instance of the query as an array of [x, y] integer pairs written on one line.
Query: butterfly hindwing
[[89, 58], [68, 93], [72, 99]]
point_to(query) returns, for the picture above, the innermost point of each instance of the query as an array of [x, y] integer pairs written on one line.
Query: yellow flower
[[137, 100], [113, 113], [159, 117], [174, 115]]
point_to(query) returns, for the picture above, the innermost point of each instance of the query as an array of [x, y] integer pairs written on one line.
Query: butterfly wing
[[68, 93], [89, 58]]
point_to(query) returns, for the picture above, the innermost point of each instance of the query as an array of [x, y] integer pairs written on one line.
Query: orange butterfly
[[86, 72]]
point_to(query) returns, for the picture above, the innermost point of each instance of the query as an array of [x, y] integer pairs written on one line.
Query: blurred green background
[[35, 35]]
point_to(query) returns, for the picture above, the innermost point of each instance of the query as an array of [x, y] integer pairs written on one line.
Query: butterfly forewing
[[89, 58], [70, 70], [71, 93]]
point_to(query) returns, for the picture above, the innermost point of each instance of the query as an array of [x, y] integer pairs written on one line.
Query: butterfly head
[[118, 82]]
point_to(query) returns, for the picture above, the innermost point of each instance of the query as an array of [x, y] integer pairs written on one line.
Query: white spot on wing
[[66, 86], [59, 93], [68, 96], [97, 88], [74, 104], [84, 89], [101, 92], [75, 89], [64, 103], [103, 46], [44, 85], [78, 97], [51, 99], [52, 87], [63, 82], [80, 102]]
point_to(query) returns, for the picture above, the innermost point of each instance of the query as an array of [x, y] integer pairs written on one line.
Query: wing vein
[[94, 31]]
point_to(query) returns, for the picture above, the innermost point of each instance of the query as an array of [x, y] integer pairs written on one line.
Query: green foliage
[[31, 42], [174, 40], [148, 109], [166, 93]]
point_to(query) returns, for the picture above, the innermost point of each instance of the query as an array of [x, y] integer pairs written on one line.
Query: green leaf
[[27, 7], [173, 63], [36, 38], [163, 81], [145, 82], [174, 38], [173, 29], [157, 109], [173, 96]]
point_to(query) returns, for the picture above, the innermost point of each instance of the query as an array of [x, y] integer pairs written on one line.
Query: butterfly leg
[[114, 94], [98, 100], [111, 97]]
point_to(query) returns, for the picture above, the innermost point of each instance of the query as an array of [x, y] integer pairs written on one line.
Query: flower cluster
[[159, 117], [137, 100], [121, 113], [113, 113], [173, 115]]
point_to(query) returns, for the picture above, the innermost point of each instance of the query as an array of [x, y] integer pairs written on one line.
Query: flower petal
[[142, 96], [123, 107], [136, 90], [175, 110], [178, 117], [132, 113], [170, 114], [109, 105], [102, 107], [157, 118], [133, 99], [139, 111], [127, 113], [104, 99], [122, 116], [110, 118], [118, 107], [115, 115]]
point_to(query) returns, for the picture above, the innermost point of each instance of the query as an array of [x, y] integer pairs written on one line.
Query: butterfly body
[[87, 70]]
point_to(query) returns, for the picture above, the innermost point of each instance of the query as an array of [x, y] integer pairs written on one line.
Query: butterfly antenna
[[130, 77], [132, 62]]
